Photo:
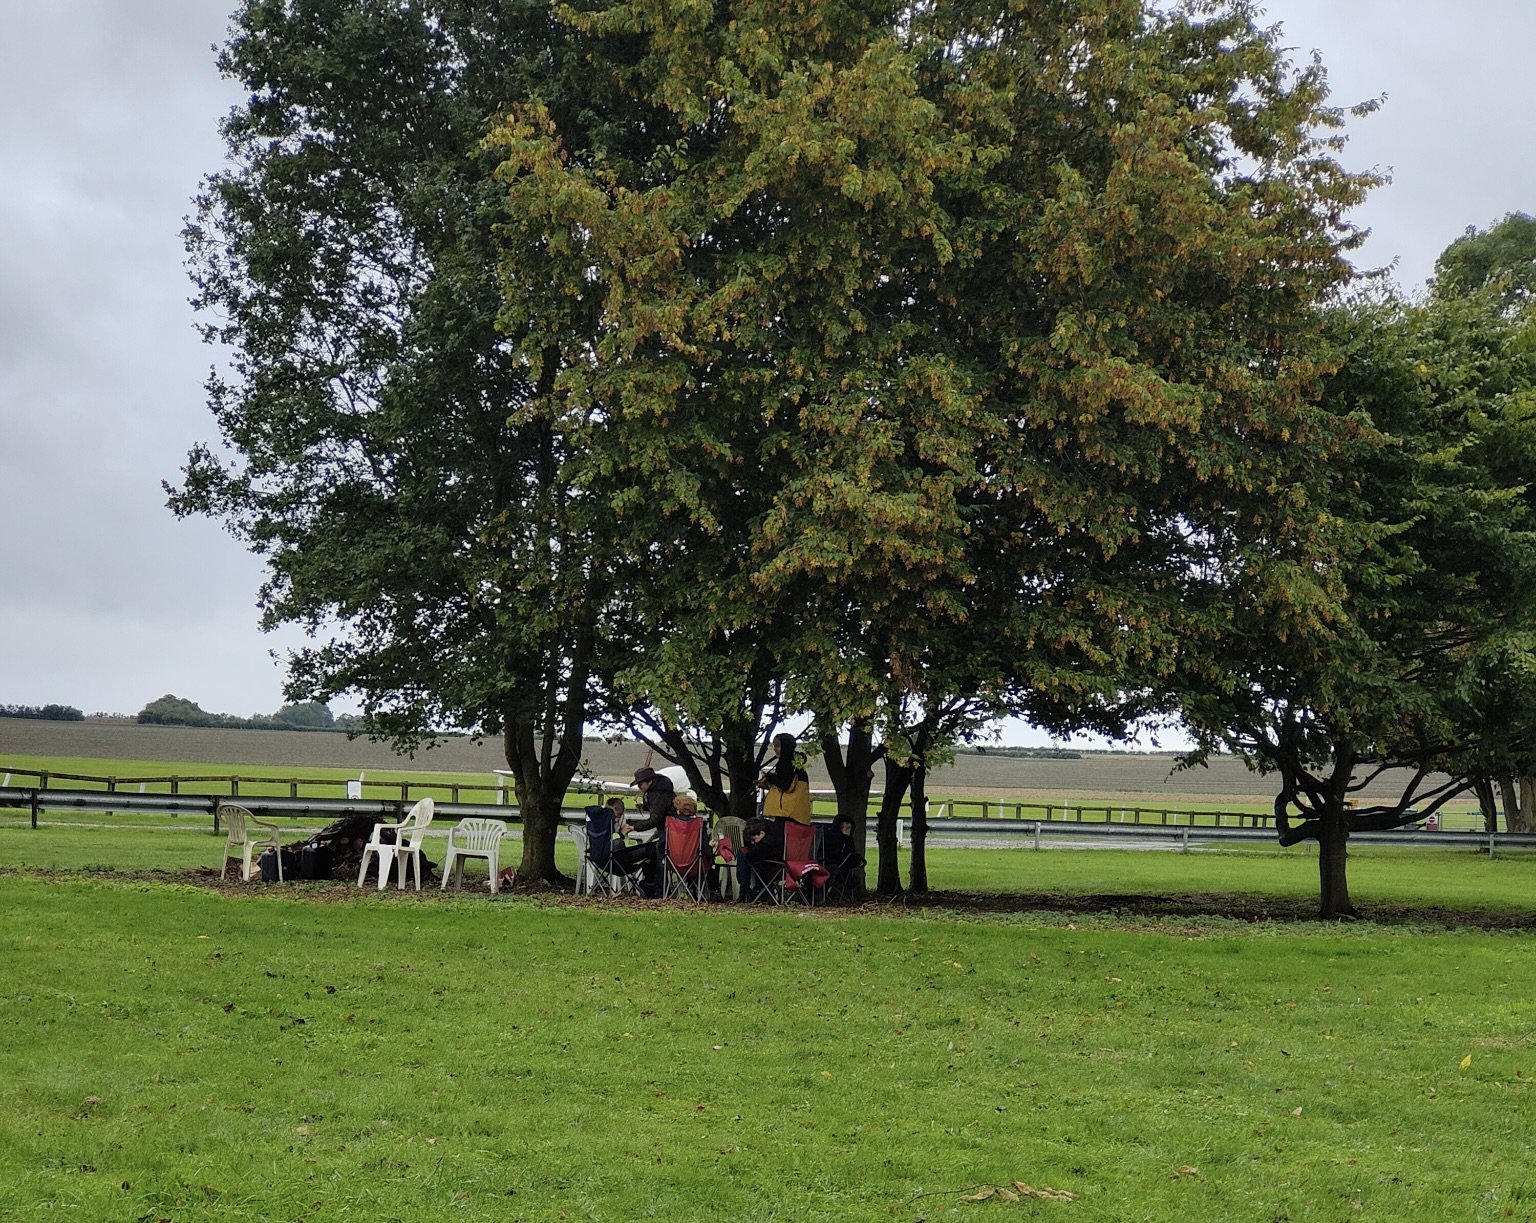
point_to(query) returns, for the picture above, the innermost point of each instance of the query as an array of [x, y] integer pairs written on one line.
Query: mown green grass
[[177, 1053], [1457, 880], [1460, 879]]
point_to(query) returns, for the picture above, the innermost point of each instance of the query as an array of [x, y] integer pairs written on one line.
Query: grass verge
[[177, 1053]]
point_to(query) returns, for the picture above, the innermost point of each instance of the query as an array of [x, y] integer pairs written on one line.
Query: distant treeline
[[1028, 753], [307, 715], [48, 713]]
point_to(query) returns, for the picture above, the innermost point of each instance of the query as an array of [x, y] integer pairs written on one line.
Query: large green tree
[[385, 448], [894, 296], [1500, 259], [1434, 409]]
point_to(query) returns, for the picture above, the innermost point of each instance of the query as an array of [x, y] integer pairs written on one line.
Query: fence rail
[[408, 791], [315, 790], [1189, 831]]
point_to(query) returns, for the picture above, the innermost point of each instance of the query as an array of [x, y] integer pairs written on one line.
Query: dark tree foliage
[[938, 344], [1500, 259], [385, 450], [46, 713], [1436, 406]]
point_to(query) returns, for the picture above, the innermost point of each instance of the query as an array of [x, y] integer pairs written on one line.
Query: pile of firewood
[[336, 852]]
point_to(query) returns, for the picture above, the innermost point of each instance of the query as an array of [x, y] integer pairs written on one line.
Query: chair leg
[[386, 859]]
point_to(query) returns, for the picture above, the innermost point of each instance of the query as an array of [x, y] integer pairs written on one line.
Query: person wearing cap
[[657, 796]]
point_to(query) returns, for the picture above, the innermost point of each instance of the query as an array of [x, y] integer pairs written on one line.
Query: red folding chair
[[804, 877], [685, 858]]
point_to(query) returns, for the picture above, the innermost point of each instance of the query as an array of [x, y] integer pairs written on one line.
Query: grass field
[[1052, 1035], [177, 1052]]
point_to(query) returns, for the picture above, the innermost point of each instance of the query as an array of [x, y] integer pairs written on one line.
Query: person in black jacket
[[761, 861], [839, 851], [840, 855], [657, 797]]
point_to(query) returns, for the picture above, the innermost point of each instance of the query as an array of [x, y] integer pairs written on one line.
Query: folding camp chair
[[685, 859], [845, 884], [845, 865], [804, 877], [764, 865], [595, 873]]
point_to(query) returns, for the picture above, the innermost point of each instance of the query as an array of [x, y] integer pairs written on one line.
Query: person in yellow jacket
[[785, 785]]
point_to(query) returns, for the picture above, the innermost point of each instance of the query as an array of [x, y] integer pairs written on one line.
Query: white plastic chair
[[405, 849], [584, 868], [239, 821], [474, 838]]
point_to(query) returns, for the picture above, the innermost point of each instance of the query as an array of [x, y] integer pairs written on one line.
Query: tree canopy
[[1437, 562], [1500, 259], [691, 365]]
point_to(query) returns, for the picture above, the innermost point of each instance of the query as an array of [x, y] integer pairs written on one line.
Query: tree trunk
[[1332, 860], [897, 778], [1516, 813], [541, 828], [541, 831], [917, 872], [851, 767], [1506, 800], [1527, 803], [540, 780], [1486, 803]]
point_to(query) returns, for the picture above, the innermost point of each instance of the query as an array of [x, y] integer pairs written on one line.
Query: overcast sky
[[108, 110]]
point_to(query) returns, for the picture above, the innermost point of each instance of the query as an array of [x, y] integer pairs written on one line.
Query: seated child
[[760, 864]]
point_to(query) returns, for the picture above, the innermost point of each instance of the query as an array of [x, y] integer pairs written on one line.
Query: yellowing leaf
[[1466, 1061], [1044, 1192]]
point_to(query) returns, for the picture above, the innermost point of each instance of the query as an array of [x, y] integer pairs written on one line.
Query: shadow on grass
[[1128, 906]]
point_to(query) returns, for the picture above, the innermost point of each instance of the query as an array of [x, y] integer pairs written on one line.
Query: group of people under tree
[[630, 847]]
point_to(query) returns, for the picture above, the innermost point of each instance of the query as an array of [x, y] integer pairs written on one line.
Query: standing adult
[[785, 784]]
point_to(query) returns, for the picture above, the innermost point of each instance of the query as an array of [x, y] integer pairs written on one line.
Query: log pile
[[336, 852]]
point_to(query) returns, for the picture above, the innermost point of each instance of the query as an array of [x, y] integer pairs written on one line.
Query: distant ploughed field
[[1094, 778]]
